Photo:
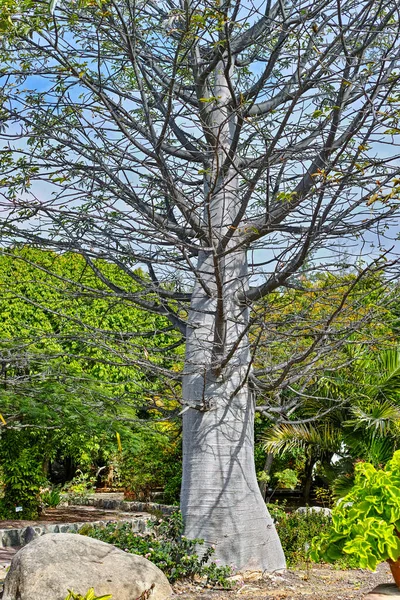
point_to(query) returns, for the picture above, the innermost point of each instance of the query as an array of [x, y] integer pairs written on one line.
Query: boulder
[[54, 563]]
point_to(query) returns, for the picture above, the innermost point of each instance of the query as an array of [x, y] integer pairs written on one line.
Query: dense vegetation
[[78, 408], [167, 547], [73, 394]]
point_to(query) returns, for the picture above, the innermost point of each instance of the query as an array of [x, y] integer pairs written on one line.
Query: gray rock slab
[[51, 565], [384, 591], [114, 503]]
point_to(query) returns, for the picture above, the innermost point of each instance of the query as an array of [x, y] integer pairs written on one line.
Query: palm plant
[[318, 441], [361, 419]]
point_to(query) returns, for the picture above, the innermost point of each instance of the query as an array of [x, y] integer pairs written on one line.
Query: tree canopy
[[223, 148]]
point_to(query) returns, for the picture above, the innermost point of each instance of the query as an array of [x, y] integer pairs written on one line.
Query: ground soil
[[316, 583], [71, 514]]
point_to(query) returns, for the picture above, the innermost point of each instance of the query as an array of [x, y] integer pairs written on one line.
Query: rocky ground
[[316, 583]]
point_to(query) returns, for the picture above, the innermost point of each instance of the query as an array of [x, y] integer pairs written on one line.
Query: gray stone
[[101, 502], [29, 534], [52, 564], [11, 537], [384, 591], [302, 510]]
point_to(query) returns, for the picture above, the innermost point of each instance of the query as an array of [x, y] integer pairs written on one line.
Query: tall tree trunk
[[220, 499]]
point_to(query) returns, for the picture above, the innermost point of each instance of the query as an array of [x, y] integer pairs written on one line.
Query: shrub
[[166, 546], [79, 487], [286, 479], [366, 522], [51, 498], [153, 462], [277, 511], [296, 532], [22, 474]]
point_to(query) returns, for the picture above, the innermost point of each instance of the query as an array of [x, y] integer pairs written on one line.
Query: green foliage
[[21, 473], [277, 511], [79, 487], [296, 532], [167, 547], [90, 595], [64, 337], [51, 498], [286, 479], [151, 462], [366, 522], [360, 418]]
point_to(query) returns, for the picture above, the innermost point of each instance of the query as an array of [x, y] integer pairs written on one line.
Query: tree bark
[[220, 498], [220, 501]]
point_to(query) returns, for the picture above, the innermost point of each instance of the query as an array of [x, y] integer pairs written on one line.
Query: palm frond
[[389, 366], [342, 485], [374, 449], [306, 436], [379, 416]]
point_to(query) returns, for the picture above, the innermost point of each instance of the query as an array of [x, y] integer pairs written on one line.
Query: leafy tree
[[64, 391], [154, 462], [219, 145], [306, 419], [359, 409]]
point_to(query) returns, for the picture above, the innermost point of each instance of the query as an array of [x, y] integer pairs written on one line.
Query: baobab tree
[[225, 148]]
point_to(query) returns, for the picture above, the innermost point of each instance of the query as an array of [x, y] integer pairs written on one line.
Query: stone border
[[124, 506], [20, 537]]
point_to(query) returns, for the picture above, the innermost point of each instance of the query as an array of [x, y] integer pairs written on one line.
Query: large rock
[[49, 566]]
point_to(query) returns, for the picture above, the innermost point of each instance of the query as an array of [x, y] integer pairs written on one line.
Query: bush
[[51, 497], [366, 522], [277, 511], [22, 474], [167, 547], [296, 532], [79, 487], [151, 464]]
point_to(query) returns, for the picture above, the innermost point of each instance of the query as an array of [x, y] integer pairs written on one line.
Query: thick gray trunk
[[220, 499], [221, 502]]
